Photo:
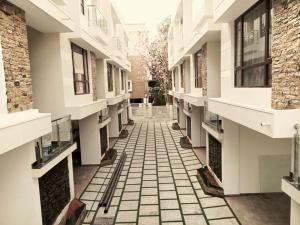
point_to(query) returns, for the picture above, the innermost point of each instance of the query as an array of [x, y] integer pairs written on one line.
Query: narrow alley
[[158, 184]]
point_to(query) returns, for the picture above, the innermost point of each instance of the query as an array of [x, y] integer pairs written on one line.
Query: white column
[[114, 124], [90, 140], [198, 133]]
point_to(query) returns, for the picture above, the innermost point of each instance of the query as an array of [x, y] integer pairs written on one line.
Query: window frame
[[86, 81], [182, 68], [110, 85], [82, 6], [267, 63], [197, 85]]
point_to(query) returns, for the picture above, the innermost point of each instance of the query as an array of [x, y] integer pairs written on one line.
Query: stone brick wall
[[215, 156], [94, 75], [204, 69], [286, 54], [54, 191], [137, 76], [13, 34]]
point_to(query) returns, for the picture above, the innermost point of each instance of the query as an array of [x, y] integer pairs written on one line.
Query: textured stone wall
[[215, 156], [204, 69], [286, 54], [94, 75], [54, 191], [13, 34]]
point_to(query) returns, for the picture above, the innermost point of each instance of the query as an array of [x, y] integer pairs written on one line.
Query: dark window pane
[[182, 75], [238, 78], [238, 43], [198, 72], [109, 77], [254, 35], [255, 76]]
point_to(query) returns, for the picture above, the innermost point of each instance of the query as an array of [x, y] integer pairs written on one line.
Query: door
[[189, 127], [103, 139]]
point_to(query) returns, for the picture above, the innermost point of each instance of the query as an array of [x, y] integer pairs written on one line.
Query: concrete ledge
[[212, 132], [290, 190], [115, 100], [195, 99], [81, 111], [37, 173], [270, 122], [17, 129]]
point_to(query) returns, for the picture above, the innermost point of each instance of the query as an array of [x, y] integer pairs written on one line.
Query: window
[[253, 34], [110, 77], [80, 70], [182, 75], [198, 68], [174, 77], [82, 6], [122, 80]]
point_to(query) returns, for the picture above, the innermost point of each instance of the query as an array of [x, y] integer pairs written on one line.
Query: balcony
[[17, 129], [52, 144], [270, 122], [97, 23], [104, 118], [55, 16]]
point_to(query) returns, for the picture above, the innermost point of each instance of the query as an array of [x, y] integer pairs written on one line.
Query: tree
[[155, 57]]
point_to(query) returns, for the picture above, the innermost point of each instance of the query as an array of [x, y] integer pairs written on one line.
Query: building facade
[[64, 72], [235, 68]]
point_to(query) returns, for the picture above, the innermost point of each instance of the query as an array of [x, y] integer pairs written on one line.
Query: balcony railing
[[96, 18], [103, 115], [212, 119], [54, 143]]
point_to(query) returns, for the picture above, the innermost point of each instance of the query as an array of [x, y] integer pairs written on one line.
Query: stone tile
[[132, 187], [181, 176], [149, 210], [147, 220], [115, 201], [166, 187], [169, 204], [111, 212], [149, 183], [172, 223], [201, 194], [188, 199], [195, 220], [150, 177], [168, 195], [149, 200], [224, 222], [149, 191], [89, 195], [133, 181], [185, 190], [89, 217], [129, 205], [150, 172], [191, 209], [171, 215], [183, 183], [166, 180], [211, 202], [93, 187], [126, 216], [218, 212], [134, 175], [131, 196]]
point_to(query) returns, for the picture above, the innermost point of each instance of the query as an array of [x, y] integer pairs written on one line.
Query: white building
[[227, 53], [65, 62]]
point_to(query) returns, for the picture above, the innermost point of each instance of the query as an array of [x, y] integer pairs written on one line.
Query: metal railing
[[52, 144], [96, 18], [212, 119]]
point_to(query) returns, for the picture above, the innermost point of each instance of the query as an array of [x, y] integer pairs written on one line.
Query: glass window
[[110, 77], [252, 46], [182, 75], [80, 70], [198, 69], [122, 79], [82, 6]]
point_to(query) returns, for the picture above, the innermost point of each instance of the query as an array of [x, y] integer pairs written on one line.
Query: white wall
[[101, 78], [213, 69], [19, 192], [198, 133], [182, 117], [187, 81], [90, 140], [46, 65], [114, 124], [253, 162]]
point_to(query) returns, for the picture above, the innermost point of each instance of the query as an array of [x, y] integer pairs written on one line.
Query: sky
[[150, 12]]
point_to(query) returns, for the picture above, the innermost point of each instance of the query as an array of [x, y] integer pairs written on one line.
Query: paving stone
[[126, 216], [131, 196], [166, 187], [224, 222], [211, 202], [191, 209], [149, 200], [169, 204], [195, 220], [167, 195], [132, 187], [129, 205], [171, 215], [149, 183], [149, 191], [149, 210], [188, 199], [147, 220]]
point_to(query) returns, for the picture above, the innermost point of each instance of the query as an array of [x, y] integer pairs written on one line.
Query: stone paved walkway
[[157, 185]]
